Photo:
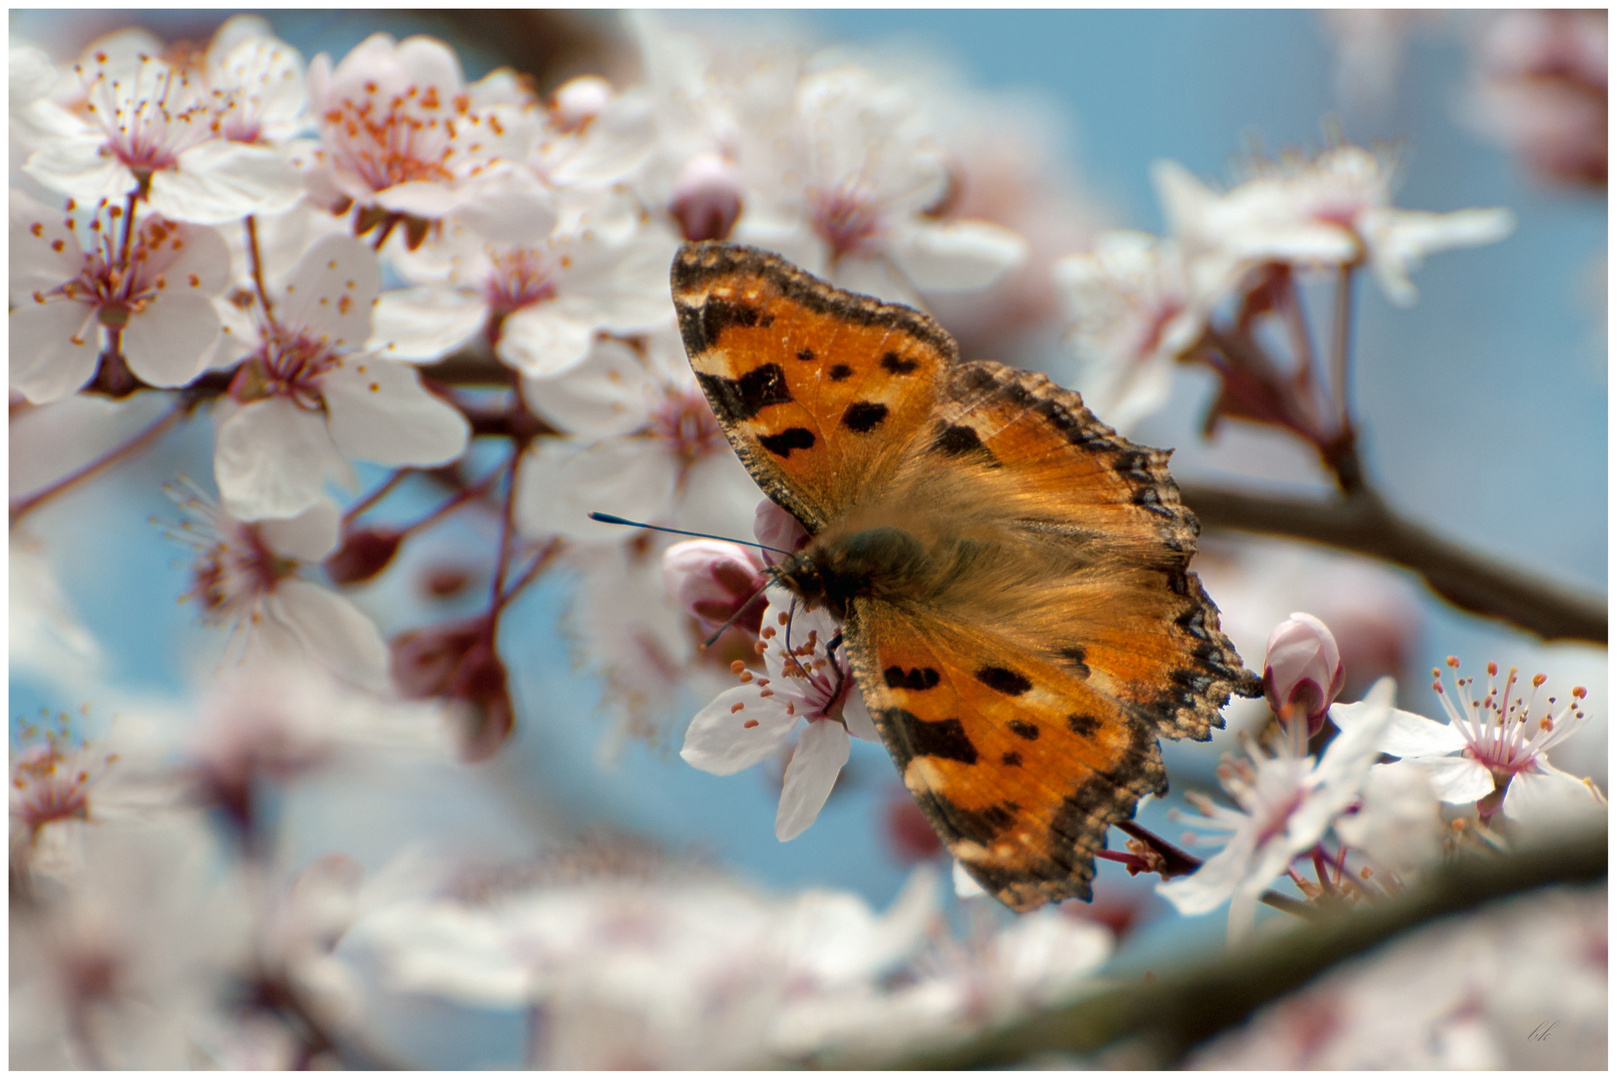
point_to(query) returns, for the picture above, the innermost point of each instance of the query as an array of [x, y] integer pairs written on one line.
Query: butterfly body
[[1010, 573]]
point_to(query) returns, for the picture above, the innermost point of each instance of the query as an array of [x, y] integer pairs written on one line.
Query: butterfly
[[1010, 573]]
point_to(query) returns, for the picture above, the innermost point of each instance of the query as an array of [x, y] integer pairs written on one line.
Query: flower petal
[[78, 168], [562, 480], [331, 290], [309, 537], [219, 181], [1456, 779], [719, 740], [956, 254], [1551, 800], [272, 459], [379, 411], [425, 323], [541, 340], [333, 631], [170, 342], [1409, 735], [857, 716], [607, 394], [54, 348], [821, 752]]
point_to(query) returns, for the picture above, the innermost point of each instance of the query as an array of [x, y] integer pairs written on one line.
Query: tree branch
[[1362, 522], [1164, 1019]]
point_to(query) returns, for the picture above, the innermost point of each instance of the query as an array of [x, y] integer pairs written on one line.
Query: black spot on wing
[[863, 416], [1083, 724], [701, 327], [1010, 757], [1025, 730], [914, 679], [1004, 680], [805, 354], [839, 372], [980, 825], [1074, 655], [911, 737], [897, 364], [959, 440], [781, 444], [735, 400]]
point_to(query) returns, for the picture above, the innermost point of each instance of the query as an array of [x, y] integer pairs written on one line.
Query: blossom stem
[[128, 241], [507, 510], [1341, 341], [1362, 522], [145, 437], [375, 496], [256, 264], [540, 562], [452, 503]]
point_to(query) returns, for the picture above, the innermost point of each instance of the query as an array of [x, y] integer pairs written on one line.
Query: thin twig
[[1341, 343], [1363, 523], [256, 265], [375, 496], [147, 435]]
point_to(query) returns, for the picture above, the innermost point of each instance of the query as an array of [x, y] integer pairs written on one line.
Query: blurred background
[[1483, 410]]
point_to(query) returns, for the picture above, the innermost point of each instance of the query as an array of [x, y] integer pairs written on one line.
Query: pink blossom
[[714, 580]]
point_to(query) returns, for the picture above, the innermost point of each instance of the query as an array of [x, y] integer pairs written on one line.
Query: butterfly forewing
[[818, 390]]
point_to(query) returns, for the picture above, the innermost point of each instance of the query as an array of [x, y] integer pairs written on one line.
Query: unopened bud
[[774, 527], [707, 198], [578, 101], [713, 579], [459, 662], [1302, 670], [364, 554]]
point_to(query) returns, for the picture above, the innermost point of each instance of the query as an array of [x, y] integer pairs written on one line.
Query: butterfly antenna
[[745, 604], [613, 519]]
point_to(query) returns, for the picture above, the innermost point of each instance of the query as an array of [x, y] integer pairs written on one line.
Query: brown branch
[[1362, 522], [1158, 1022], [20, 508]]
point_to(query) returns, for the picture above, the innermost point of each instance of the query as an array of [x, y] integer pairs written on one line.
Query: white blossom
[[307, 397], [155, 293], [808, 679]]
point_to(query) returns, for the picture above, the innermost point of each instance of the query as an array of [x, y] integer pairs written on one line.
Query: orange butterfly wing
[[1053, 631], [818, 390]]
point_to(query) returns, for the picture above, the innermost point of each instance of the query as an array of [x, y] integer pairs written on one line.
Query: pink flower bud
[[1302, 670], [364, 554], [712, 579], [774, 527], [707, 198], [578, 101]]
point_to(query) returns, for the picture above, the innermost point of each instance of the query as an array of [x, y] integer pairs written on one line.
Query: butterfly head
[[835, 569]]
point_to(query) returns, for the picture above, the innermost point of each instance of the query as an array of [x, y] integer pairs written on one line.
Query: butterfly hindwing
[[1019, 767], [818, 390]]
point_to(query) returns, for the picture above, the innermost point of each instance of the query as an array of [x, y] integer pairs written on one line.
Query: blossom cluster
[[406, 307]]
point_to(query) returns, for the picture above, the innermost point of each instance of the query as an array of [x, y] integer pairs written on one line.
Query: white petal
[[857, 717], [1457, 779], [334, 632], [719, 740], [425, 323], [36, 260], [78, 168], [272, 459], [309, 537], [821, 752], [379, 411], [170, 342], [1411, 735], [540, 340], [956, 254], [874, 275], [1549, 800], [424, 199], [219, 181], [1217, 879], [965, 886], [54, 348], [563, 480], [330, 292], [607, 394]]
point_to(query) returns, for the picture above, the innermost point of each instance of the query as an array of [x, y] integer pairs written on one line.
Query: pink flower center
[[685, 422], [411, 136], [521, 276], [118, 292], [847, 218], [288, 364], [149, 124], [48, 788], [230, 577]]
